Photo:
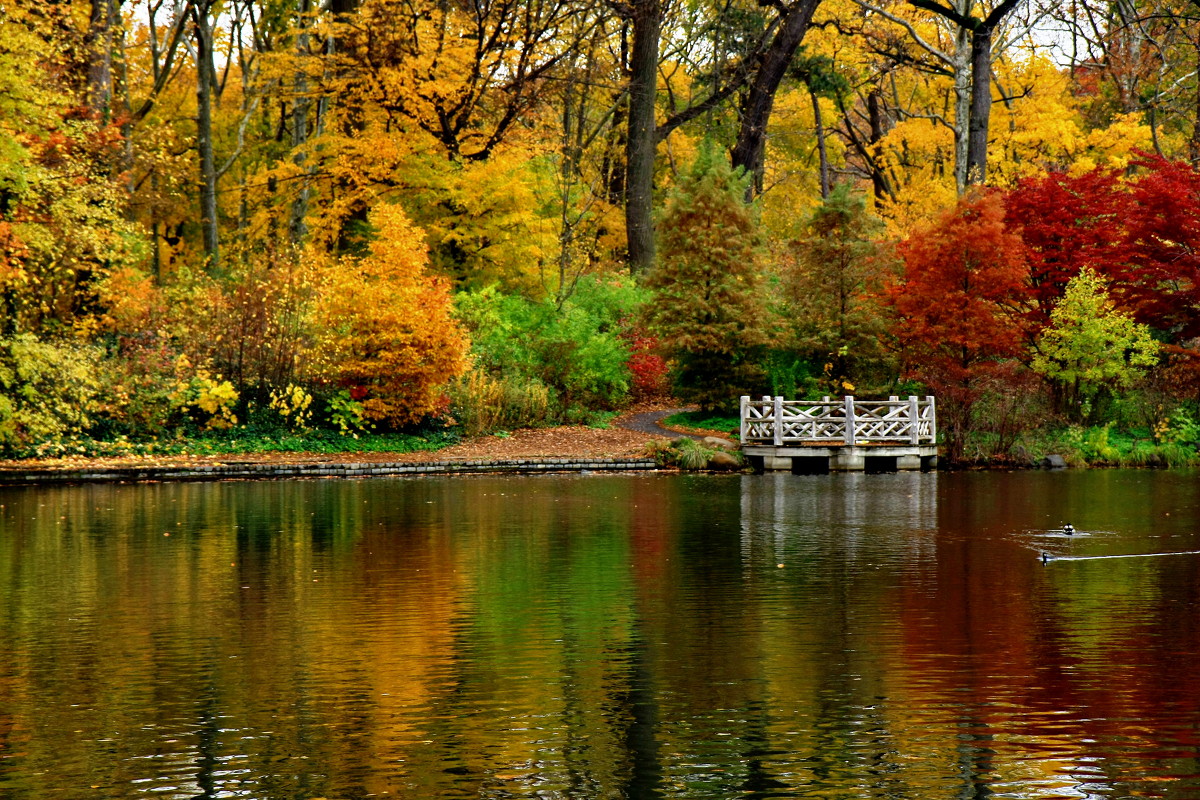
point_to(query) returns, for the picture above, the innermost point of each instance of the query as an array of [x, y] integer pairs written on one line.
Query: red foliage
[[647, 368], [1142, 235], [1067, 223], [960, 306], [1160, 281]]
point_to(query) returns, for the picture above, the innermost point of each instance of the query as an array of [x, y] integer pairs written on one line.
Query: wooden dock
[[838, 435]]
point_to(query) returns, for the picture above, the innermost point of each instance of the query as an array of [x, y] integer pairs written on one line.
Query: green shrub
[[1168, 454], [575, 350], [684, 453], [48, 391], [1093, 444], [150, 389]]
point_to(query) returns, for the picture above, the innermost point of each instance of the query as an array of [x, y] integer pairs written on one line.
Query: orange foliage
[[391, 338], [959, 306]]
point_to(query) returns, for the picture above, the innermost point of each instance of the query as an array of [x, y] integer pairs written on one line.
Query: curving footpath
[[649, 423]]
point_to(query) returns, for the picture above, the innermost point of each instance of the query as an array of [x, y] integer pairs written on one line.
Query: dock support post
[[849, 420], [914, 419], [778, 426]]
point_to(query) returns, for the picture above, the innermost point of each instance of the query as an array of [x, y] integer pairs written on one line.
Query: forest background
[[265, 224]]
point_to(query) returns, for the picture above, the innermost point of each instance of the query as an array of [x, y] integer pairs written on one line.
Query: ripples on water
[[845, 636]]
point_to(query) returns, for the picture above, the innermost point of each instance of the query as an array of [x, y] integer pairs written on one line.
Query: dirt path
[[648, 422]]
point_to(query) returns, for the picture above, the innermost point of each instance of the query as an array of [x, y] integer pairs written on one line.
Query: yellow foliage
[[132, 301], [919, 158], [294, 404], [791, 186], [390, 337], [62, 220], [199, 390], [1043, 127]]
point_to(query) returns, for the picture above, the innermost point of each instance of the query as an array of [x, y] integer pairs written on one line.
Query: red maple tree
[[960, 307], [1067, 223], [1160, 279]]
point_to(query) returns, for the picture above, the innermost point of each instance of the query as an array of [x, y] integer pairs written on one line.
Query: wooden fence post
[[849, 420], [914, 419], [743, 410], [778, 420], [932, 418]]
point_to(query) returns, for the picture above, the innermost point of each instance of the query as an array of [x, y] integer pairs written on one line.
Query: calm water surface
[[844, 636]]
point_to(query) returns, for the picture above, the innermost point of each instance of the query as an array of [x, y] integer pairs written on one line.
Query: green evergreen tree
[[830, 290], [707, 311]]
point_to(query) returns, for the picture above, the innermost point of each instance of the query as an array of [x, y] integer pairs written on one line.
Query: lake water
[[665, 636]]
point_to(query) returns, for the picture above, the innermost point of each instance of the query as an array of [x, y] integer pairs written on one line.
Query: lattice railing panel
[[773, 420]]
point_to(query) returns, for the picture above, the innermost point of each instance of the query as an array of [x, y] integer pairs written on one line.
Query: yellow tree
[[62, 208], [431, 105], [389, 336]]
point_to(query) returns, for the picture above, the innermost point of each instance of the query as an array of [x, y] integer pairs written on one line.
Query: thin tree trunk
[[875, 118], [642, 139], [822, 153], [1194, 143], [982, 32], [962, 105], [297, 228], [100, 58], [205, 81]]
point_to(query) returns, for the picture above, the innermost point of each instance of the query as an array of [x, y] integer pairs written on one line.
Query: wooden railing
[[848, 422]]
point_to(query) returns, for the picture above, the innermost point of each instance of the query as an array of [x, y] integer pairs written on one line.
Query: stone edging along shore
[[216, 472]]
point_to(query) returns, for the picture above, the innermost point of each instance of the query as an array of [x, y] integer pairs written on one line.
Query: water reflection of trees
[[581, 638]]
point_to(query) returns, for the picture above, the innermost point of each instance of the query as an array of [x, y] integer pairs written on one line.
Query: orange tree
[[389, 337], [959, 307]]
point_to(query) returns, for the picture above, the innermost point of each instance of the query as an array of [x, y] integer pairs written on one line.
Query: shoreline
[[571, 448], [328, 469]]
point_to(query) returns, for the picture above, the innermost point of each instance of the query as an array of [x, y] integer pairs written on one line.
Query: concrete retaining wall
[[217, 472]]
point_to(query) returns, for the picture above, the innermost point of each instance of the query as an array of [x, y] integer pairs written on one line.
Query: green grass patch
[[240, 442], [1098, 446], [705, 421]]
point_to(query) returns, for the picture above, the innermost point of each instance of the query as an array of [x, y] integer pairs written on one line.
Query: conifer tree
[[707, 309], [830, 292]]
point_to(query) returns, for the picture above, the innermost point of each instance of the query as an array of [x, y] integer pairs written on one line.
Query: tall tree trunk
[[760, 100], [982, 33], [297, 227], [981, 105], [642, 138], [962, 105], [876, 119], [822, 153], [1194, 143], [1131, 38], [205, 83], [352, 228], [100, 58]]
